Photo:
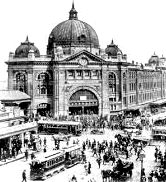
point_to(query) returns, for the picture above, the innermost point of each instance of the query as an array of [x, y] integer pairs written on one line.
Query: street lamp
[[141, 156]]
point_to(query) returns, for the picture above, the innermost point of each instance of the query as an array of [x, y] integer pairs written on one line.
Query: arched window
[[21, 82], [43, 90], [45, 84], [112, 82]]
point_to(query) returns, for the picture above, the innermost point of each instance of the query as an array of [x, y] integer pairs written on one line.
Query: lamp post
[[141, 156]]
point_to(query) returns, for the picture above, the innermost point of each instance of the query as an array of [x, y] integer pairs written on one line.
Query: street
[[13, 171]]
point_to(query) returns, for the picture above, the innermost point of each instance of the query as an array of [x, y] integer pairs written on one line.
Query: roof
[[71, 148], [159, 128], [159, 102], [59, 122], [13, 96], [48, 155]]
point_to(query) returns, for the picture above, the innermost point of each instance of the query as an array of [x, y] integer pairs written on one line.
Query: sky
[[138, 27]]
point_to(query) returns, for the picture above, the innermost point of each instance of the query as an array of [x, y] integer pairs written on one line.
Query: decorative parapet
[[11, 113]]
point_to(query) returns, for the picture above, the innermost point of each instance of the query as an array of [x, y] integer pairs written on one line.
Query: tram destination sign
[[141, 156]]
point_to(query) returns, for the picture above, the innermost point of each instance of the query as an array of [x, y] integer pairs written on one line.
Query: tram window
[[73, 154], [67, 156], [37, 165], [62, 158]]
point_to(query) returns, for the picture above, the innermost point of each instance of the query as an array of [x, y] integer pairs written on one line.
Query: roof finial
[[73, 13], [112, 41], [27, 40], [73, 4]]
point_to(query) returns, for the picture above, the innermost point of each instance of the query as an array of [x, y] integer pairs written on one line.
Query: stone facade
[[85, 78]]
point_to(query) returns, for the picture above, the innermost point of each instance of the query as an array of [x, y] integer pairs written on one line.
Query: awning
[[133, 108], [158, 102], [14, 96]]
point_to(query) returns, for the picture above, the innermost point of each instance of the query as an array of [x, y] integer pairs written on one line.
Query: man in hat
[[24, 178]]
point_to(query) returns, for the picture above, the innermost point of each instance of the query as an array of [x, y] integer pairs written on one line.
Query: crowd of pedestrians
[[111, 151]]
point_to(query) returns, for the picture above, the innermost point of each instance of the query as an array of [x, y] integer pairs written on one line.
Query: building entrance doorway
[[83, 102], [43, 109]]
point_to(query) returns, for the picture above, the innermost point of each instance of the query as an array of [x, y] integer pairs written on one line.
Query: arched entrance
[[83, 102], [43, 109]]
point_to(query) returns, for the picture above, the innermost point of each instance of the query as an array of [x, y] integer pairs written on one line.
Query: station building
[[77, 77]]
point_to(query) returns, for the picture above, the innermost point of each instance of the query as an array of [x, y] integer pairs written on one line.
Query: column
[[10, 79], [10, 142], [75, 74], [22, 139], [56, 92], [30, 90]]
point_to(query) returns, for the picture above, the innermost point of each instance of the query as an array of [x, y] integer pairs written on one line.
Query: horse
[[124, 169], [107, 157], [106, 174]]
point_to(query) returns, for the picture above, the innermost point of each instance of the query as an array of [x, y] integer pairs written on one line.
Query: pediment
[[83, 58]]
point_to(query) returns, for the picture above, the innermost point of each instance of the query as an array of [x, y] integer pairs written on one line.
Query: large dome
[[25, 47], [73, 33]]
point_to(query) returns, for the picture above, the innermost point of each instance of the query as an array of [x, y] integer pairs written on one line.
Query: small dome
[[162, 58], [162, 61], [25, 48], [113, 50], [154, 59]]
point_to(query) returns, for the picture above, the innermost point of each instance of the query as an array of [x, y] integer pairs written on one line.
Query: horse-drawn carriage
[[121, 170], [143, 140], [97, 132]]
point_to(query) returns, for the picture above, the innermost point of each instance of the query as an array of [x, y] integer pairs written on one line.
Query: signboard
[[42, 106], [83, 98], [141, 156], [16, 112]]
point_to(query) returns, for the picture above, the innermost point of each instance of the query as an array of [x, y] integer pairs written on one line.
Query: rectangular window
[[112, 99], [95, 73], [79, 73], [71, 73], [124, 101], [87, 73]]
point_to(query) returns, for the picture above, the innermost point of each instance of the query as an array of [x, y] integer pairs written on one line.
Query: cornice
[[45, 63]]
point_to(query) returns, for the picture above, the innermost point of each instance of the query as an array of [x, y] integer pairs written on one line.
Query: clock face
[[83, 61]]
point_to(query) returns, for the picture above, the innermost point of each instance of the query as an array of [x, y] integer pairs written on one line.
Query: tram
[[72, 155], [47, 164], [159, 132], [56, 127]]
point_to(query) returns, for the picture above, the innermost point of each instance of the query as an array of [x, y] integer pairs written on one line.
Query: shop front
[[12, 139]]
